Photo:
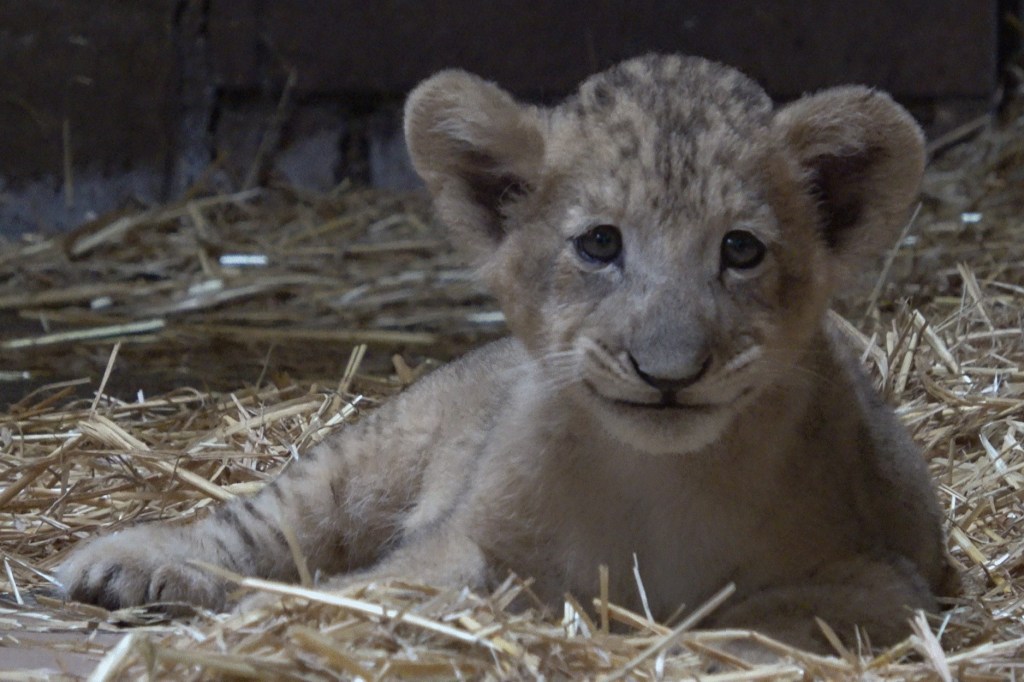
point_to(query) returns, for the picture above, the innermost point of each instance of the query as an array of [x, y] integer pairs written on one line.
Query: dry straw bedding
[[165, 375]]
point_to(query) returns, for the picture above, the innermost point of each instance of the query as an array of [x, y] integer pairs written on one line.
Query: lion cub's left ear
[[862, 156], [477, 149]]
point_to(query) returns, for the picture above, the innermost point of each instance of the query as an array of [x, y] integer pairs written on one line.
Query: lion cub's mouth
[[670, 404], [667, 402]]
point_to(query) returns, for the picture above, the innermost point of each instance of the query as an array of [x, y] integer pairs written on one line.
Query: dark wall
[[108, 69], [913, 48], [104, 101]]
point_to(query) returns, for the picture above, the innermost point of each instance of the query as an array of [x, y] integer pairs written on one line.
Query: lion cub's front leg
[[154, 562], [353, 502], [345, 503]]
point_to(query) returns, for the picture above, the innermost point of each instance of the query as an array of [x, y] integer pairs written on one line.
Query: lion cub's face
[[664, 242]]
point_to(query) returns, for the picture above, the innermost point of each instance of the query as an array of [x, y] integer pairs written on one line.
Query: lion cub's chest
[[688, 539], [559, 522], [692, 526]]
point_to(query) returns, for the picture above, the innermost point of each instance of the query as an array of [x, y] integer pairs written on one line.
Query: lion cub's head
[[665, 242]]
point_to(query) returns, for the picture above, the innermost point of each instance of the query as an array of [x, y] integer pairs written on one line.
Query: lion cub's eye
[[602, 243], [742, 250]]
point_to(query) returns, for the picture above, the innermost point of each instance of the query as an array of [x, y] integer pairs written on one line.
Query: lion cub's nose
[[671, 384]]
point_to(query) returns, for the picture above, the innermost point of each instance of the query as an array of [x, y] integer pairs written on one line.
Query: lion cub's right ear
[[477, 149]]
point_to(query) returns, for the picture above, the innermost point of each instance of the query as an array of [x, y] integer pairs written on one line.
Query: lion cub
[[664, 245]]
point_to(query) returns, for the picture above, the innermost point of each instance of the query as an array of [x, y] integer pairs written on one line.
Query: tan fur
[[774, 465]]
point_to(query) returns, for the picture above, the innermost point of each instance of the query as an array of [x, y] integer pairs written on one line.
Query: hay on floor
[[167, 359]]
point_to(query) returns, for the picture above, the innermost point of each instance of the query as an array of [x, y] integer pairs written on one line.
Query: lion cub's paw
[[136, 567]]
